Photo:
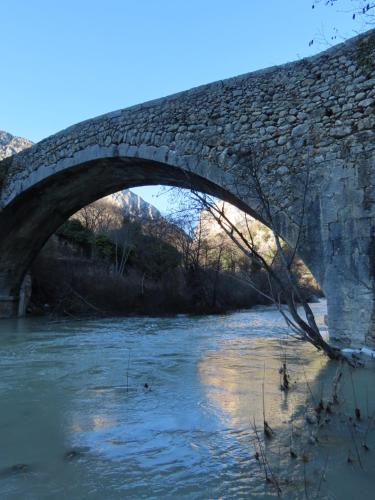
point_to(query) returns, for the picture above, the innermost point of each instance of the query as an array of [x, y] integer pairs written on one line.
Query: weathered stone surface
[[300, 130], [341, 131], [314, 115]]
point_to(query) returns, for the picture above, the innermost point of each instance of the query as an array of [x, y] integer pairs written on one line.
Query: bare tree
[[361, 12], [280, 287], [282, 284], [100, 216], [124, 239], [360, 8]]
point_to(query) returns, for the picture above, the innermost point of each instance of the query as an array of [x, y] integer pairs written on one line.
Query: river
[[149, 407]]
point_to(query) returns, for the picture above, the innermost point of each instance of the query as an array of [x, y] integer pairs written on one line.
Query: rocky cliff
[[134, 206], [10, 144]]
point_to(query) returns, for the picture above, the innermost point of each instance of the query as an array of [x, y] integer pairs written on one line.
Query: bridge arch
[[314, 116], [31, 217]]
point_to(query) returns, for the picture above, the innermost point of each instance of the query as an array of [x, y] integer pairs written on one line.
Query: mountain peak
[[134, 206], [10, 144]]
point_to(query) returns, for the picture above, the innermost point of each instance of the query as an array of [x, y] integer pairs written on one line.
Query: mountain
[[10, 144], [134, 206]]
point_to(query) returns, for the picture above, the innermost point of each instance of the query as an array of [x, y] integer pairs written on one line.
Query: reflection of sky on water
[[235, 374]]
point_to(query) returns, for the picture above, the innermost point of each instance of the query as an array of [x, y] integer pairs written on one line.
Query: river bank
[[77, 287]]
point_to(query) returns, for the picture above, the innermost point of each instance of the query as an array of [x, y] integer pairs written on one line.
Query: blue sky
[[66, 61]]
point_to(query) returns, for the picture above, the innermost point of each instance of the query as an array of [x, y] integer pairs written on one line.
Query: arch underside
[[32, 217]]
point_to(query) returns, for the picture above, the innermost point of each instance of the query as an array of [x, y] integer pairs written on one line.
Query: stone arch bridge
[[315, 116]]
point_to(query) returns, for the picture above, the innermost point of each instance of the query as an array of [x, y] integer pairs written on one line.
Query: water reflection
[[234, 377], [80, 386]]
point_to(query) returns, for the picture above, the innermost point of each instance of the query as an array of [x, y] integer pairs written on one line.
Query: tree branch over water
[[282, 282]]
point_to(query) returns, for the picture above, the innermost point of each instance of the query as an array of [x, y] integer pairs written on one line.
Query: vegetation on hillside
[[103, 261]]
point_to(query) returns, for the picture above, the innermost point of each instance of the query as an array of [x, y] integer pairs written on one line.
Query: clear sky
[[66, 61]]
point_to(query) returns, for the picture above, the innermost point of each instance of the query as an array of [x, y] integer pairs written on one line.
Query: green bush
[[105, 248], [75, 232]]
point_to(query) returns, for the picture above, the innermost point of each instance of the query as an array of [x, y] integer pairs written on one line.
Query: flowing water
[[78, 422]]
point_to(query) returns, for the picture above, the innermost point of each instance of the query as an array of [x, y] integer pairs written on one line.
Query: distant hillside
[[261, 236], [10, 144], [134, 206]]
